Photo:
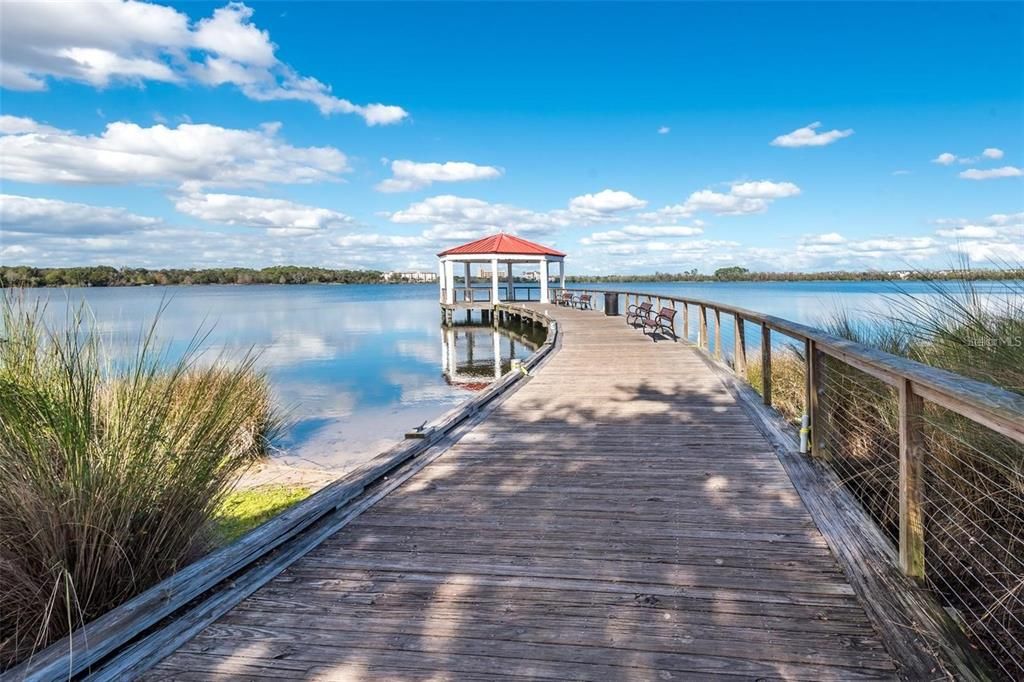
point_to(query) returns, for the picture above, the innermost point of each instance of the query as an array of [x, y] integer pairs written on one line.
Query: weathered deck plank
[[620, 517]]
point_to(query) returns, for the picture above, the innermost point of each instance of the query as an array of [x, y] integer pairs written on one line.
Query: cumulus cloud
[[18, 125], [635, 233], [808, 136], [34, 216], [278, 216], [461, 217], [948, 158], [991, 173], [605, 202], [195, 155], [107, 42], [743, 198], [410, 175]]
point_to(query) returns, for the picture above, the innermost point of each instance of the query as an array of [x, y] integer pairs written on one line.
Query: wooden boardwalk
[[619, 517]]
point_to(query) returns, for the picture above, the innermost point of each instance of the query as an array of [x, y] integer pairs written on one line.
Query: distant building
[[410, 276]]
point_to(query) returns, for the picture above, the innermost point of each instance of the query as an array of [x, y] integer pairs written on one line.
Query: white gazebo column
[[544, 280], [441, 281], [449, 281], [497, 354], [561, 273], [494, 280], [511, 293], [469, 280]]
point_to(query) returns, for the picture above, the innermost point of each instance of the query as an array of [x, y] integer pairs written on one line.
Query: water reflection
[[474, 355]]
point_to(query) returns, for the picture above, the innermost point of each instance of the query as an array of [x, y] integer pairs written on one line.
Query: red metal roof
[[503, 244]]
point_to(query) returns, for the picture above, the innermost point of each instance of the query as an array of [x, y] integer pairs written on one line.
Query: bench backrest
[[646, 306], [566, 296], [668, 313], [585, 297]]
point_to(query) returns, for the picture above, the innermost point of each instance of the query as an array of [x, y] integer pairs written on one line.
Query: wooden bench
[[564, 299], [582, 302], [663, 322], [636, 314]]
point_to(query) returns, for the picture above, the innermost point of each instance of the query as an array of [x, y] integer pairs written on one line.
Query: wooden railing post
[[912, 455], [686, 321], [766, 364], [739, 347], [702, 329], [718, 334], [811, 367]]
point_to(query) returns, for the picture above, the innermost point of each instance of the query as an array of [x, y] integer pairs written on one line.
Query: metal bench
[[582, 302], [636, 314], [663, 322]]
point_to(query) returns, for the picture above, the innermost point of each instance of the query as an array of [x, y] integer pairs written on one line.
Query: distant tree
[[731, 273]]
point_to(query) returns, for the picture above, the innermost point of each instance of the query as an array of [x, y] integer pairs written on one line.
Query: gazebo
[[493, 251]]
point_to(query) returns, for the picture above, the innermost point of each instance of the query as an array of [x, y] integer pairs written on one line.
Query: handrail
[[911, 452], [997, 408]]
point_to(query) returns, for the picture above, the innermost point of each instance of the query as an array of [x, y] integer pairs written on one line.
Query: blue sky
[[636, 137]]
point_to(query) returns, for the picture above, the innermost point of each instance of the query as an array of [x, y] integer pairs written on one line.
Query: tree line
[[739, 274], [107, 276]]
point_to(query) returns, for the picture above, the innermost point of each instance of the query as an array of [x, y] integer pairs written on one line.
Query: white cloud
[[605, 202], [808, 136], [18, 125], [664, 130], [461, 217], [34, 216], [969, 232], [901, 172], [827, 238], [193, 154], [634, 233], [279, 216], [991, 173], [948, 158], [108, 42], [390, 241], [764, 189], [743, 198], [410, 175]]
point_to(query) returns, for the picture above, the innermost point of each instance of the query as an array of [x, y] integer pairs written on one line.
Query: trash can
[[611, 303]]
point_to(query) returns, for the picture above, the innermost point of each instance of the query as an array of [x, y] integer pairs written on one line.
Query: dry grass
[[109, 470], [974, 522], [787, 381]]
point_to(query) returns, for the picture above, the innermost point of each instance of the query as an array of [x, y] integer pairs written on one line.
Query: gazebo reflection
[[473, 355]]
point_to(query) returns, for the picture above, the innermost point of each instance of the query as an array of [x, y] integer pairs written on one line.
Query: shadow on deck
[[619, 517]]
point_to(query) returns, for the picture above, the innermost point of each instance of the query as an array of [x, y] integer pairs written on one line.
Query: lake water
[[359, 365]]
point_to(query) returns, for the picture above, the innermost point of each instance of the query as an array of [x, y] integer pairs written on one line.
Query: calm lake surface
[[357, 366]]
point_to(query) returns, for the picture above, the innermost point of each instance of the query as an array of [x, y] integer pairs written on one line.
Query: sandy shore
[[276, 472]]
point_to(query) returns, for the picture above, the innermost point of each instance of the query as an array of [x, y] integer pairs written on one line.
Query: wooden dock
[[618, 517]]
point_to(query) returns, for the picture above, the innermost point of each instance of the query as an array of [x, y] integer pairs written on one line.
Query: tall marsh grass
[[974, 512], [110, 468]]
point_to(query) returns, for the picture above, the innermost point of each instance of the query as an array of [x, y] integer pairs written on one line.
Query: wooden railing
[[983, 553]]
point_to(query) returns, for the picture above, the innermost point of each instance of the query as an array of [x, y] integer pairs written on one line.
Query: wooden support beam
[[810, 388], [912, 486], [766, 364], [686, 321], [718, 334], [739, 347], [702, 330]]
